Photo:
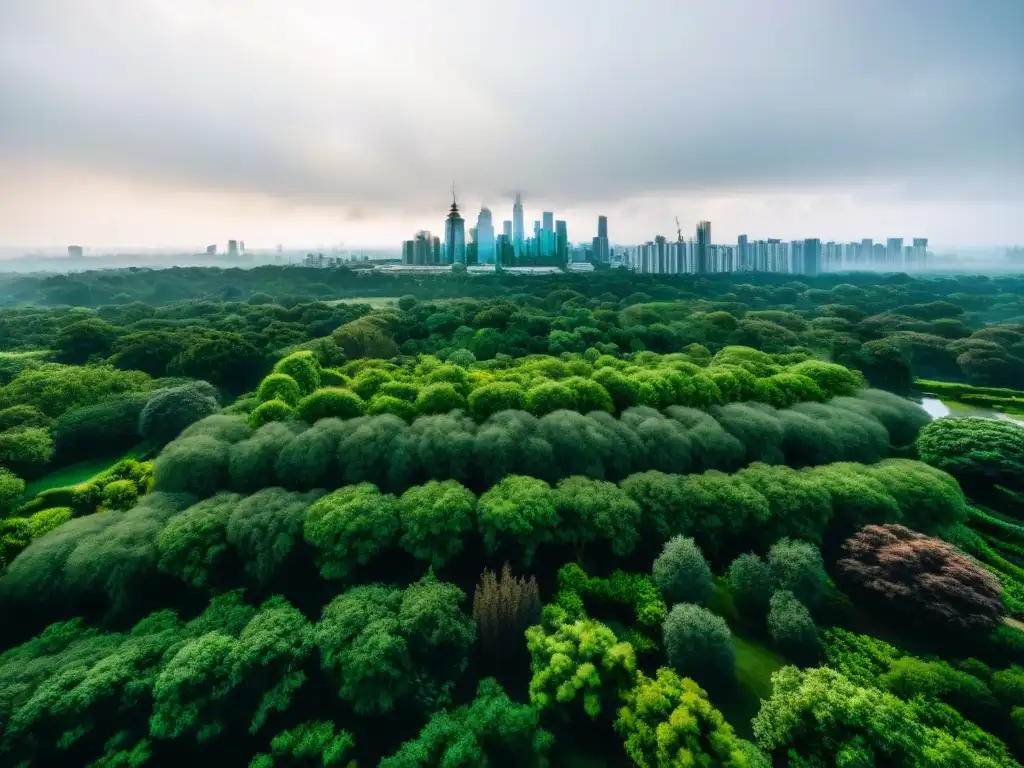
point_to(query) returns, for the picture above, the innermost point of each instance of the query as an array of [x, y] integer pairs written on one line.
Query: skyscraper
[[485, 252], [549, 221], [518, 232], [454, 235], [506, 229], [867, 253], [742, 254], [561, 243], [810, 263], [920, 252], [601, 250], [602, 227], [703, 241], [894, 252]]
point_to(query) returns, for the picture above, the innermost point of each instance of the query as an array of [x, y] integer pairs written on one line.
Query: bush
[[977, 452], [271, 410], [120, 494], [170, 411], [698, 644], [11, 489], [439, 398], [403, 409], [681, 573], [492, 398], [108, 427], [750, 583], [330, 403], [48, 520], [22, 416], [797, 566], [280, 386], [791, 627], [303, 367]]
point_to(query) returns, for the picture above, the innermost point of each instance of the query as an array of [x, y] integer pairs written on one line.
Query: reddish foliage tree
[[911, 571]]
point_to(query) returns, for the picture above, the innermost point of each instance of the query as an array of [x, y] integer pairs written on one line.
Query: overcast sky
[[186, 122]]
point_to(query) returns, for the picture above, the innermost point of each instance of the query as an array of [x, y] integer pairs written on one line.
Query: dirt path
[[1013, 623]]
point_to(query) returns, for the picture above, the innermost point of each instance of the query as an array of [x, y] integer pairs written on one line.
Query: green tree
[[270, 411], [492, 398], [698, 644], [170, 411], [681, 573], [750, 583], [797, 566], [349, 527], [435, 518], [280, 386], [303, 367], [330, 403], [596, 510], [518, 510], [11, 489], [79, 342], [791, 626], [439, 398]]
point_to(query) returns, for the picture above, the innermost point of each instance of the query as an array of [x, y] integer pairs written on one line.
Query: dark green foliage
[[349, 527], [518, 511], [975, 451], [316, 742], [791, 626], [169, 412], [698, 644], [108, 427], [265, 529], [593, 510], [797, 567], [750, 583], [435, 520], [681, 573]]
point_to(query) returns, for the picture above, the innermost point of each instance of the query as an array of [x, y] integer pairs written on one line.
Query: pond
[[937, 409]]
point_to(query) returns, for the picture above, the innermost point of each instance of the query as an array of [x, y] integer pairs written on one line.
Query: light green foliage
[[492, 398], [698, 644], [193, 545], [668, 721], [55, 389], [623, 588], [440, 398], [280, 386], [548, 397], [368, 382], [330, 403], [11, 489], [319, 742], [832, 379], [681, 573], [579, 662], [490, 729], [791, 626], [435, 518], [797, 566], [403, 390], [49, 519], [120, 494], [303, 367], [975, 451], [518, 510], [29, 447], [594, 510], [349, 527], [381, 404], [864, 726], [382, 646], [270, 411]]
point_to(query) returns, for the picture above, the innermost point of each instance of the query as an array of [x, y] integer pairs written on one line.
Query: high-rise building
[[549, 221], [506, 229], [920, 252], [485, 250], [75, 251], [561, 243], [232, 247], [703, 241], [894, 253], [454, 235], [423, 250], [742, 254], [867, 253], [602, 227], [810, 262], [518, 232]]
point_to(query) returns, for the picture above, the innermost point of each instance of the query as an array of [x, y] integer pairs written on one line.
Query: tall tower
[[485, 251], [703, 241], [811, 257], [561, 243], [549, 221], [518, 230], [454, 235]]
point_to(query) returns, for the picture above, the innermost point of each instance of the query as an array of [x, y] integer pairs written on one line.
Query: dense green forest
[[287, 517]]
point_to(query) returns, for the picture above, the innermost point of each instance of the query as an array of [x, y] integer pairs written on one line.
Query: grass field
[[377, 302], [75, 473]]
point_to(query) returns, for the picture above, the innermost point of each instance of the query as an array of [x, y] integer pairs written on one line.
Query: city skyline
[[296, 138]]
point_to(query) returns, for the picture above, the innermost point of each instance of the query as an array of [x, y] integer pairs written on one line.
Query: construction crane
[[679, 230]]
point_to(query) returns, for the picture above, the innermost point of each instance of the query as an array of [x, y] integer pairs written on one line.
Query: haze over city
[[142, 123]]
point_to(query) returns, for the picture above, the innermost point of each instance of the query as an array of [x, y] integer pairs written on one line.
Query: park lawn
[[73, 474], [755, 664]]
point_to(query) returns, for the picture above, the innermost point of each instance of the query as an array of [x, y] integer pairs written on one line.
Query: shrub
[[349, 527], [271, 410], [48, 520], [120, 494], [681, 573], [435, 519], [921, 575], [170, 411], [280, 386], [492, 398], [750, 583], [22, 416], [978, 452], [11, 489], [791, 627], [330, 403], [403, 409], [439, 398], [303, 367], [698, 644]]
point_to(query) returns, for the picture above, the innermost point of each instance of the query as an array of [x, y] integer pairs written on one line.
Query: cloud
[[373, 108]]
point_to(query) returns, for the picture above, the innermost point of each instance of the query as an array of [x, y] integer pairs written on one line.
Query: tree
[[581, 662], [596, 510], [488, 731], [681, 573], [503, 609], [381, 404], [435, 518], [227, 361], [548, 397], [922, 576], [668, 721], [797, 567], [280, 386], [519, 510], [270, 411], [698, 644], [193, 545], [317, 742], [439, 398], [492, 398], [750, 582], [78, 342], [26, 449], [11, 489], [120, 494], [791, 626], [977, 452], [170, 411], [304, 369], [22, 416], [349, 527], [330, 403]]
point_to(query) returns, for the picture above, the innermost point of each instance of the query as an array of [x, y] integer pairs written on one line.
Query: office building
[[743, 254], [703, 241], [454, 236], [549, 221], [506, 229], [211, 250], [600, 249], [810, 261], [232, 247], [75, 252], [485, 249], [422, 251], [561, 242], [518, 232], [894, 253], [920, 252]]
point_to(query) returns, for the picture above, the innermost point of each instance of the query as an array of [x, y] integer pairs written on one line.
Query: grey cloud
[[384, 103]]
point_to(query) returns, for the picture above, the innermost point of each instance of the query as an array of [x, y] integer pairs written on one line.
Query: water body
[[937, 409]]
